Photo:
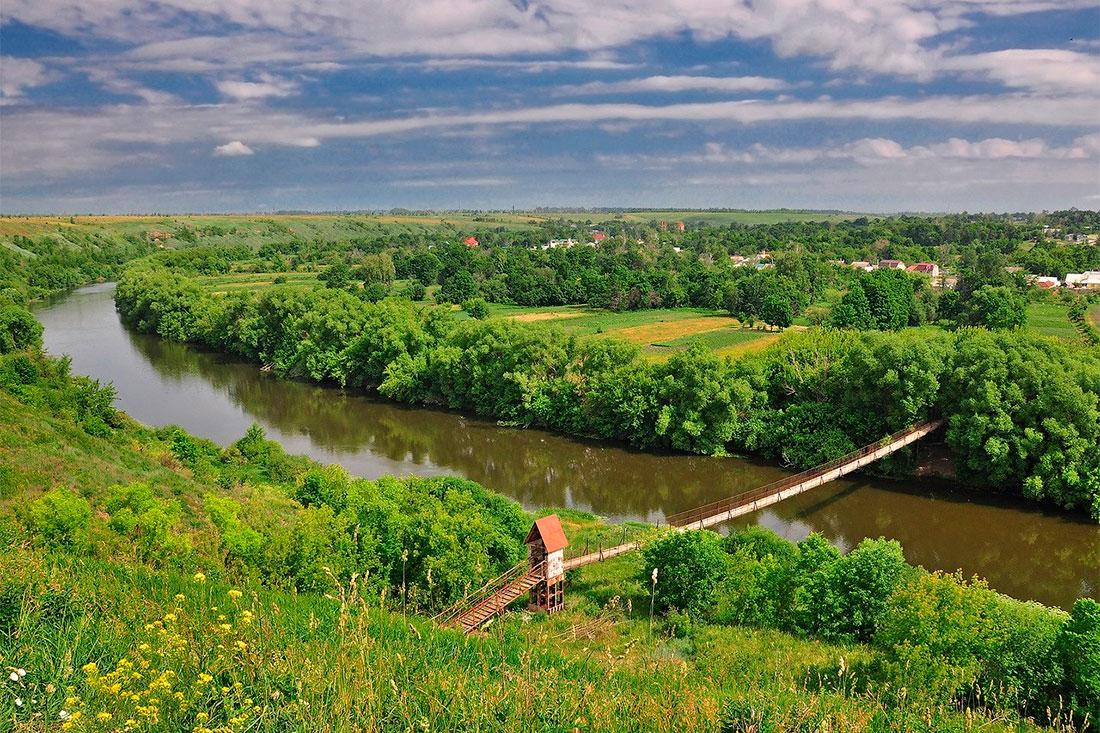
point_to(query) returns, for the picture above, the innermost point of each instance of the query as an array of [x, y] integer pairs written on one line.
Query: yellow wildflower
[[169, 617], [179, 598], [246, 617], [200, 578], [103, 717], [241, 645], [234, 593], [90, 668]]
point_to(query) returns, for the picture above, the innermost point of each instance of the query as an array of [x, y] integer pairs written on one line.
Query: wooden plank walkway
[[724, 510], [492, 598]]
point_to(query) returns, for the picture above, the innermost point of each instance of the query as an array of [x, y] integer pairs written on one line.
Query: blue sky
[[254, 105]]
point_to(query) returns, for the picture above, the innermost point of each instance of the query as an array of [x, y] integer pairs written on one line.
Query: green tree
[[1079, 648], [377, 269], [18, 329], [690, 568], [457, 287], [476, 308], [997, 307]]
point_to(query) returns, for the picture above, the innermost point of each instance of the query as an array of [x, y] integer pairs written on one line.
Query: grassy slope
[[1050, 319], [343, 662]]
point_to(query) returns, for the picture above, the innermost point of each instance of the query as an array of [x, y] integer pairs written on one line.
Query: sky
[[113, 106]]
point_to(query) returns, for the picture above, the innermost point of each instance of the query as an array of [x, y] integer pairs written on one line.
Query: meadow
[[1050, 319]]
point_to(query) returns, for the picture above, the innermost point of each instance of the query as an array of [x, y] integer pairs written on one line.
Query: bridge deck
[[775, 492]]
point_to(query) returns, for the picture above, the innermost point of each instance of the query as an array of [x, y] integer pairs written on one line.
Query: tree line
[[1022, 412]]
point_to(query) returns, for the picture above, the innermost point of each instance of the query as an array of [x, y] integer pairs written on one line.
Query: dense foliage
[[1023, 412], [941, 637], [103, 574]]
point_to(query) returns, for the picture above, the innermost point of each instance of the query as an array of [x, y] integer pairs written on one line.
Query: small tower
[[546, 544]]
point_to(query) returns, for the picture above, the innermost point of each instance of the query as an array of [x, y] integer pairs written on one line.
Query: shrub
[[845, 599], [476, 308], [61, 517], [18, 329], [148, 522], [691, 565], [1078, 646]]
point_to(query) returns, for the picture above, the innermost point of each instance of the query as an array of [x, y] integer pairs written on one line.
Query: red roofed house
[[546, 545], [925, 268], [598, 236], [680, 226], [470, 241]]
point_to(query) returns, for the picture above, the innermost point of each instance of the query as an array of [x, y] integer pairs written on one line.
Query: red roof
[[598, 236], [548, 530], [470, 241]]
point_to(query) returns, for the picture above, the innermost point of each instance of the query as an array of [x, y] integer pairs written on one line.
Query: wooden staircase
[[472, 612]]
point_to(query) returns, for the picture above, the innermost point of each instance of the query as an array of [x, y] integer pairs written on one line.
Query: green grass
[[1050, 319], [347, 662], [243, 281], [341, 661], [721, 339], [691, 216], [597, 322]]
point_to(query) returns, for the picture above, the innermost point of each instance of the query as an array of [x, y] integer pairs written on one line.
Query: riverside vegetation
[[152, 580], [1023, 412], [155, 581]]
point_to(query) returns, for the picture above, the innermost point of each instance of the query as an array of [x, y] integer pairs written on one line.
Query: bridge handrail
[[485, 592], [472, 599], [689, 516]]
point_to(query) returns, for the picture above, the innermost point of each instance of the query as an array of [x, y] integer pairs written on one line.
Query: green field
[[719, 340], [236, 282], [257, 228], [1050, 319], [693, 216]]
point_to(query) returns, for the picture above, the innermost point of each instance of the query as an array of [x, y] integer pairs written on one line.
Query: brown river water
[[1023, 551]]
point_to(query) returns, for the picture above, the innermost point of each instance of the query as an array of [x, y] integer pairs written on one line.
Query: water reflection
[[1028, 553]]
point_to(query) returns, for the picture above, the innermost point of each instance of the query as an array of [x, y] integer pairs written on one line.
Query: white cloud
[[18, 74], [679, 84], [267, 86], [460, 182], [1041, 69], [233, 149], [865, 151], [40, 141], [880, 37]]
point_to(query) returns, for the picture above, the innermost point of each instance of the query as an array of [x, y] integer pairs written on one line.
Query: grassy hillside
[[151, 580]]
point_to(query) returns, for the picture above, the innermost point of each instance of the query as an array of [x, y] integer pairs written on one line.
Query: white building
[[1089, 280]]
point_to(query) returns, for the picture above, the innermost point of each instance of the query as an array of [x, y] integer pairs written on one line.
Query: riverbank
[[219, 397]]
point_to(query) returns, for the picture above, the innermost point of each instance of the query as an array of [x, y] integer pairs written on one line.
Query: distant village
[[1088, 280]]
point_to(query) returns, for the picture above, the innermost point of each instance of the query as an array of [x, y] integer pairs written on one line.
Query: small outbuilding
[[546, 545]]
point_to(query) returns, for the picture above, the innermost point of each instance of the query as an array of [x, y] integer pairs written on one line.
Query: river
[[1023, 551]]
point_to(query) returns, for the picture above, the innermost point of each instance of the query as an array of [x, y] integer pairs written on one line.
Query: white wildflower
[[21, 672], [64, 715], [18, 702], [14, 676]]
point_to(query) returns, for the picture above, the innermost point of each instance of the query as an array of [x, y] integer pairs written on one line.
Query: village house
[[891, 265], [556, 243], [1088, 280], [863, 265], [1048, 282], [471, 241], [925, 268]]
